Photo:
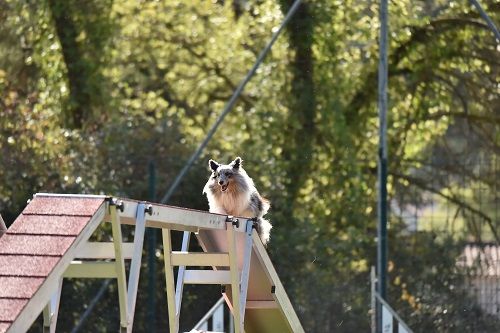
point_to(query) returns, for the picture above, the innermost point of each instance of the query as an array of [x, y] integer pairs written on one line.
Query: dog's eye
[[229, 175]]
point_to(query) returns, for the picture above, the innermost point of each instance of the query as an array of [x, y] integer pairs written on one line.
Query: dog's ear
[[213, 165], [236, 163]]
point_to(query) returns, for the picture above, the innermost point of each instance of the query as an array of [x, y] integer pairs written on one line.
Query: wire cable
[[488, 20], [229, 104]]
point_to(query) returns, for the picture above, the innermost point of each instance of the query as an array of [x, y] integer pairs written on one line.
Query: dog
[[230, 191]]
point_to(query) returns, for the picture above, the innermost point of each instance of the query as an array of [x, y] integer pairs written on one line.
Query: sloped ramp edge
[[268, 307], [36, 250]]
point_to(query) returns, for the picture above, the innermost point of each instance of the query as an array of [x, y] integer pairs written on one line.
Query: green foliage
[[92, 92]]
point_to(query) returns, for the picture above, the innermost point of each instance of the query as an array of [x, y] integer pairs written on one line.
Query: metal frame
[[245, 272], [135, 265], [186, 237], [385, 310], [235, 279], [51, 310]]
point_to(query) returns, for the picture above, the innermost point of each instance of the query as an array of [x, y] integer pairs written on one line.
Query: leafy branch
[[422, 184]]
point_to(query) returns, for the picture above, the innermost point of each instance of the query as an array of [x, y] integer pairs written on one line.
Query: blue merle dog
[[230, 191]]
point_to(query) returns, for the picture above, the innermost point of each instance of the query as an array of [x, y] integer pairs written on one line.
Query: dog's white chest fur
[[234, 204]]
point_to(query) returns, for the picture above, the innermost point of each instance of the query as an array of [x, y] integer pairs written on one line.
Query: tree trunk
[[67, 32], [300, 126]]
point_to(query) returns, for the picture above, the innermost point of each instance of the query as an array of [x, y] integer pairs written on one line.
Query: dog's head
[[224, 174]]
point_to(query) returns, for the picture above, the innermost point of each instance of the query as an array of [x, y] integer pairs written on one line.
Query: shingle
[[10, 308], [35, 244], [4, 327], [21, 265], [19, 287], [63, 206], [48, 225]]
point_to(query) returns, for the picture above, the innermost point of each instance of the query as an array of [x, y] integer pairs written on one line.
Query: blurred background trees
[[93, 92]]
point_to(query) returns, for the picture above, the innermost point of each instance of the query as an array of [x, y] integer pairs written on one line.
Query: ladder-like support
[[225, 271], [117, 250], [236, 256]]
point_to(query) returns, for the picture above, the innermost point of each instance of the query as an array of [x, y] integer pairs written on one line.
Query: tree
[[92, 92]]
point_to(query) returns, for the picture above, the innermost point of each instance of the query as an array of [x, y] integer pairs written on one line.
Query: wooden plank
[[200, 259], [250, 305], [91, 269], [103, 250], [120, 266], [175, 218], [207, 277], [279, 294], [169, 281]]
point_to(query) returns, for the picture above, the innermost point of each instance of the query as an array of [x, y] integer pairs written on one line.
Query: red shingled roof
[[34, 245]]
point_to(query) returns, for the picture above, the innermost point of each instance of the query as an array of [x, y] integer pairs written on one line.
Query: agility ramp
[[48, 241]]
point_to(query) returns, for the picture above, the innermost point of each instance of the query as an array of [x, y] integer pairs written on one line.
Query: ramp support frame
[[117, 250], [225, 272], [230, 247]]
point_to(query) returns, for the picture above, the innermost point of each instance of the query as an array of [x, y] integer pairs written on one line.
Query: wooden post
[[169, 280], [235, 278], [120, 267]]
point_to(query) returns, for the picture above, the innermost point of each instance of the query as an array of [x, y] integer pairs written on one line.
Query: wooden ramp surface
[[269, 309], [35, 251]]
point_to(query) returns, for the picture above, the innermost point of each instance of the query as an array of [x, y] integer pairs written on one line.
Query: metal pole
[[373, 299], [488, 20], [230, 103], [382, 160], [151, 234]]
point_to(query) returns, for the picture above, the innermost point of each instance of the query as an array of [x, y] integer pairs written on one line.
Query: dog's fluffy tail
[[264, 229]]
